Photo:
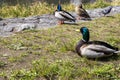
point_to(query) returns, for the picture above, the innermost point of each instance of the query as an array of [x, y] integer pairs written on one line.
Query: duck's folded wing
[[100, 48], [67, 15], [84, 12]]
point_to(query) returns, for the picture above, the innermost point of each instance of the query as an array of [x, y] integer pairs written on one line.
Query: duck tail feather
[[117, 51]]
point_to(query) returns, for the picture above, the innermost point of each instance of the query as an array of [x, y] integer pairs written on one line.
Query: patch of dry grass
[[38, 8], [116, 2]]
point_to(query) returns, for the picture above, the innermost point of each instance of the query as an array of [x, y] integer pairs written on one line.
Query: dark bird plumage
[[107, 10], [93, 49], [1, 19], [81, 12]]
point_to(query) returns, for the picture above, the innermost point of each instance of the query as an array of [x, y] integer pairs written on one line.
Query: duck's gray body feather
[[95, 49], [65, 16]]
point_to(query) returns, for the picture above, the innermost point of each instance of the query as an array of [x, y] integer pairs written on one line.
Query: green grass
[[37, 8], [50, 54], [25, 10], [98, 4], [2, 64]]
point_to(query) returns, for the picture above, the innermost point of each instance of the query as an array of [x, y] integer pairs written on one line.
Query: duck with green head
[[93, 49], [63, 15]]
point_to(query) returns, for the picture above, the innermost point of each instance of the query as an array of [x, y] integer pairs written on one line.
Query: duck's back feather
[[102, 44], [67, 15]]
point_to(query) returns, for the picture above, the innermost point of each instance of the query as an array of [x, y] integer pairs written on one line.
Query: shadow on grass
[[114, 57], [71, 23], [110, 16], [110, 58]]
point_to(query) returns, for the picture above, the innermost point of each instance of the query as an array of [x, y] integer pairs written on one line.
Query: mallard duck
[[62, 15], [81, 12], [93, 49]]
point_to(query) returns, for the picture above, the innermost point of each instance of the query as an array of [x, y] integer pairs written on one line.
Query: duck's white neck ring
[[84, 40]]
